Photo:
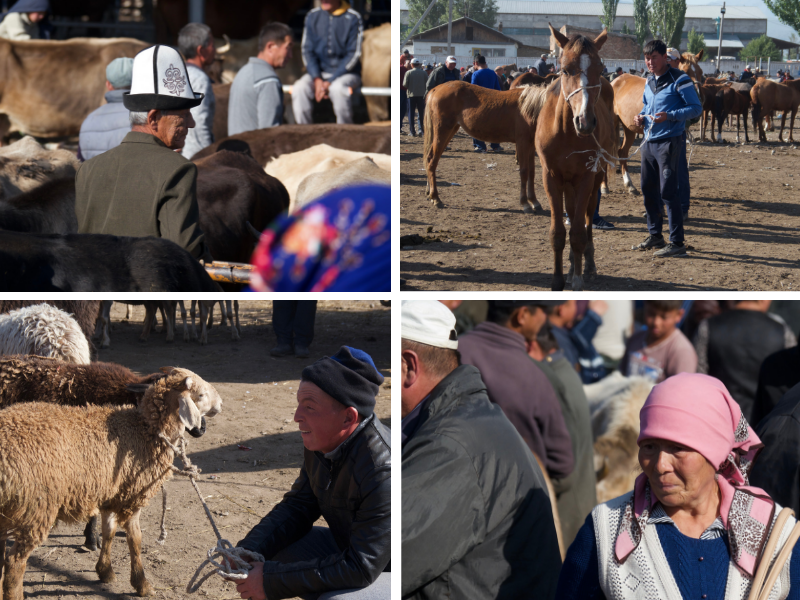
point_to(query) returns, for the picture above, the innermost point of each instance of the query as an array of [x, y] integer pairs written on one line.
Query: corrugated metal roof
[[623, 10]]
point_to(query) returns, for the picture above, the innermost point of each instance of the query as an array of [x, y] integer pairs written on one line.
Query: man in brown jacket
[[143, 187]]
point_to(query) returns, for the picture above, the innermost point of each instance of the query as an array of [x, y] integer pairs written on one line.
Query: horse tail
[[756, 113], [719, 105], [428, 133]]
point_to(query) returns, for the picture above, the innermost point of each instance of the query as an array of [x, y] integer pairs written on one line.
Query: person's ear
[[350, 416], [152, 119], [411, 364]]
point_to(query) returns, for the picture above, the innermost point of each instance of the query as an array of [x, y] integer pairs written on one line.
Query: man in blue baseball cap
[[345, 478]]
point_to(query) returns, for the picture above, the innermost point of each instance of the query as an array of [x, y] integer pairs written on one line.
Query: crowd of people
[[493, 396]]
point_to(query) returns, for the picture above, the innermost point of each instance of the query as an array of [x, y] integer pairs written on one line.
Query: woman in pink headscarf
[[692, 527]]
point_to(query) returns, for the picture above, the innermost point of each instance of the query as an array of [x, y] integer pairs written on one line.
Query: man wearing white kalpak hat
[[144, 187], [477, 521]]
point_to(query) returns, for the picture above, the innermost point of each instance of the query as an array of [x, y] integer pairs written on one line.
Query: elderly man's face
[[451, 66], [172, 126], [324, 423]]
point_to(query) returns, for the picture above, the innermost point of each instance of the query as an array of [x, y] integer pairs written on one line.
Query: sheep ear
[[188, 413], [188, 382], [167, 370]]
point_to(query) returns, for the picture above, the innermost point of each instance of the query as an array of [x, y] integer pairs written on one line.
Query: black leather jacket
[[352, 490]]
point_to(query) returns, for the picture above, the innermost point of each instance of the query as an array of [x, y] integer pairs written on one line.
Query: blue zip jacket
[[332, 43], [674, 94], [105, 127], [486, 78]]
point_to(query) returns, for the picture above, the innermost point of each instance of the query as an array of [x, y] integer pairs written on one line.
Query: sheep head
[[168, 406], [205, 396]]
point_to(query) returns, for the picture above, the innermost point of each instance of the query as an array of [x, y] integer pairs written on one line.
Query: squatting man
[[346, 478]]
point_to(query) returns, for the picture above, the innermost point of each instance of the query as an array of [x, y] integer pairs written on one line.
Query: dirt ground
[[742, 231], [240, 486]]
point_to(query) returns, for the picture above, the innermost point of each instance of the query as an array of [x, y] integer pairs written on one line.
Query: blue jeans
[[403, 106], [319, 543], [482, 145], [661, 168], [416, 103]]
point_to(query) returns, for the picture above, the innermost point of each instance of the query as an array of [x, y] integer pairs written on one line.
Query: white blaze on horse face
[[585, 62]]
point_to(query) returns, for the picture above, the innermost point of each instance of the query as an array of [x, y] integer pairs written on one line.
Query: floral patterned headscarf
[[698, 412], [339, 243]]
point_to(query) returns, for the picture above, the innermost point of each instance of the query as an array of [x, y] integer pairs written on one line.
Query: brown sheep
[[63, 462], [27, 378]]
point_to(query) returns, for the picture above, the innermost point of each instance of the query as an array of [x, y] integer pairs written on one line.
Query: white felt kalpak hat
[[428, 322], [160, 82]]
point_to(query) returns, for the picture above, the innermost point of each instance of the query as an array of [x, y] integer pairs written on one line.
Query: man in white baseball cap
[[443, 74], [144, 187], [471, 486]]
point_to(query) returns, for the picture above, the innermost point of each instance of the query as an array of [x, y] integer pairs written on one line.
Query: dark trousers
[[403, 106], [482, 145], [293, 321], [660, 174], [684, 191], [416, 103]]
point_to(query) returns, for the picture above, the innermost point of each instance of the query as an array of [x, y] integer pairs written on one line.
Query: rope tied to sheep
[[230, 562]]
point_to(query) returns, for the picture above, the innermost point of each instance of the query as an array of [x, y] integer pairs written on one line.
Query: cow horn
[[226, 47], [256, 233]]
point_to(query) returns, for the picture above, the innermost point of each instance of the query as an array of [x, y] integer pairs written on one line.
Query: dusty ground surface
[[743, 228], [258, 394]]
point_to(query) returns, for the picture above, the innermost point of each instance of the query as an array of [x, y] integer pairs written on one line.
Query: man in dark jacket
[[143, 187], [541, 66], [497, 347], [778, 374], [732, 345], [777, 468], [331, 47], [105, 127], [477, 521], [345, 478], [442, 74]]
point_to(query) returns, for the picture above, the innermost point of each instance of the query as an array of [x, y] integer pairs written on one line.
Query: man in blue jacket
[[669, 100], [105, 127], [331, 49], [484, 77]]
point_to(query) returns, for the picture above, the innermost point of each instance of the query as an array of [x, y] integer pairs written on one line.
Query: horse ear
[[601, 39], [561, 39], [699, 55]]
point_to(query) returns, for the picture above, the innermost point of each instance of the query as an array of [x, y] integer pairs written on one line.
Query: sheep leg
[[229, 310], [236, 312], [103, 567], [168, 316], [192, 313], [92, 540], [211, 315], [149, 319], [101, 325], [204, 310], [186, 337], [14, 568], [138, 579], [128, 312]]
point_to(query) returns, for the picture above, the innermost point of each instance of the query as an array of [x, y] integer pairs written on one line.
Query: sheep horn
[[256, 233], [226, 47]]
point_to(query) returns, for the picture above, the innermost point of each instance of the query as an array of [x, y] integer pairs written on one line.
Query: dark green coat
[[140, 188], [576, 493]]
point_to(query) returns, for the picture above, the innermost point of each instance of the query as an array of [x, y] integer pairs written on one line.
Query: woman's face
[[679, 476]]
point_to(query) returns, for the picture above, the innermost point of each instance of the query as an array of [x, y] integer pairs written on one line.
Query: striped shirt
[[714, 531]]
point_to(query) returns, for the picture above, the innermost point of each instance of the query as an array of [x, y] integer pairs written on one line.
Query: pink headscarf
[[697, 411]]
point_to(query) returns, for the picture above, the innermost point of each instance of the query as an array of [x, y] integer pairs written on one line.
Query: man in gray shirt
[[256, 99], [196, 44]]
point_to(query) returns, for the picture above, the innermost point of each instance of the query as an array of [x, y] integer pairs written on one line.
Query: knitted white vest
[[646, 575]]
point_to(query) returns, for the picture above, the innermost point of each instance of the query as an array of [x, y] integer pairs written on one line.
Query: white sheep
[[43, 330]]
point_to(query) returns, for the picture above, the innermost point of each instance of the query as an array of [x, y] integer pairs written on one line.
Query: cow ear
[[188, 413], [601, 39], [561, 39], [699, 55]]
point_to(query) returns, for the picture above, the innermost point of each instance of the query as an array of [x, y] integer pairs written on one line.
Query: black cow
[[232, 190], [48, 208], [97, 263]]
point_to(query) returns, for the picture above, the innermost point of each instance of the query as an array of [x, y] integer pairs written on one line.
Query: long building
[[527, 22]]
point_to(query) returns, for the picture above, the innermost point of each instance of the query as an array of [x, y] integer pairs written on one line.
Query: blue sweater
[[332, 44], [486, 78], [674, 94], [579, 579]]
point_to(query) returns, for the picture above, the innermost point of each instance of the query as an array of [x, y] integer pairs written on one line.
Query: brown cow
[[767, 96], [25, 165], [264, 144], [47, 88]]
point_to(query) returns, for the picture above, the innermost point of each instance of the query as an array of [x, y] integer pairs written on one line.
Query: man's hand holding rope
[[253, 586]]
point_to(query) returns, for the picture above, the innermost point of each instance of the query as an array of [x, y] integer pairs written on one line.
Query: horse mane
[[532, 100]]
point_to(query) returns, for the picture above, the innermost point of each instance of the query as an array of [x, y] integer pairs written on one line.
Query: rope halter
[[581, 88]]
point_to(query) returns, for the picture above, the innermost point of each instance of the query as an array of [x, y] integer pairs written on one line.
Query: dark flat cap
[[349, 377]]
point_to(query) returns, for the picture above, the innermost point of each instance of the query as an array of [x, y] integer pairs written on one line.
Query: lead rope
[[224, 551]]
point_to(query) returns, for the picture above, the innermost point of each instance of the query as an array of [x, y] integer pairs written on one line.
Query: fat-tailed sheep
[[63, 462], [43, 330]]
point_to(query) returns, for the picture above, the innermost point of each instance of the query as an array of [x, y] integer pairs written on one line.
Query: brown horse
[[729, 101], [486, 115], [628, 92], [527, 79], [708, 93], [573, 131], [767, 96]]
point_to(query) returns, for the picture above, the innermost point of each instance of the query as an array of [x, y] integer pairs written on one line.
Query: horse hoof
[[528, 209], [603, 191], [633, 191], [437, 203], [577, 283]]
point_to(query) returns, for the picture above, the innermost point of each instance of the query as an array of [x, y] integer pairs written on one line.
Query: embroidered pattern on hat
[[175, 82]]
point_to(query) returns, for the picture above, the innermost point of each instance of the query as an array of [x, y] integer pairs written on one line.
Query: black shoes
[[652, 241], [671, 249]]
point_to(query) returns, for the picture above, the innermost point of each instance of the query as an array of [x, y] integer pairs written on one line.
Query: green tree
[[787, 11], [640, 20], [625, 29], [760, 47], [793, 52], [609, 13], [666, 20], [483, 11], [697, 42]]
